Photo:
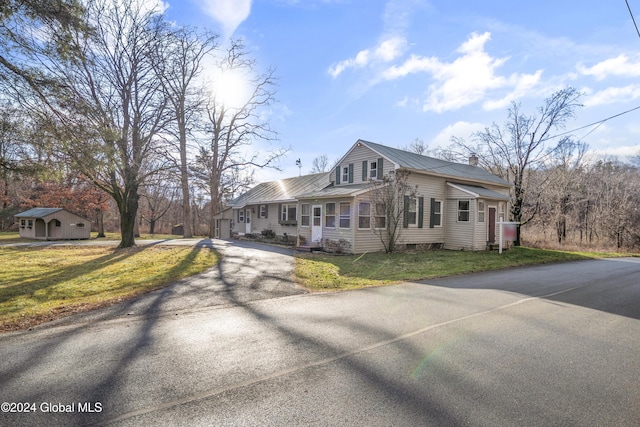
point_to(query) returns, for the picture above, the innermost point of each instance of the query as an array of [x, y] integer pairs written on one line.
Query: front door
[[247, 220], [316, 224], [491, 238]]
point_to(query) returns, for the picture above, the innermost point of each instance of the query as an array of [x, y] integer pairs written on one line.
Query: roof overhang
[[458, 178], [478, 192]]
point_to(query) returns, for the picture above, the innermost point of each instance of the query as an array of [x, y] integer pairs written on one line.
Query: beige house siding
[[366, 240], [459, 235], [481, 228], [336, 238], [428, 187], [358, 155], [271, 222]]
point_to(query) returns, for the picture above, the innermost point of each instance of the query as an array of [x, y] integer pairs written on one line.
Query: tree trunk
[[215, 202], [101, 224], [184, 180], [186, 208], [128, 207], [152, 226]]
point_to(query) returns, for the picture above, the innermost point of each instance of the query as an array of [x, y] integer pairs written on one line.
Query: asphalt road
[[547, 345]]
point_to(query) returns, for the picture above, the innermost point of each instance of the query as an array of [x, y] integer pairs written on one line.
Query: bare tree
[[232, 129], [320, 164], [159, 194], [178, 64], [106, 107], [417, 146], [526, 143], [389, 196]]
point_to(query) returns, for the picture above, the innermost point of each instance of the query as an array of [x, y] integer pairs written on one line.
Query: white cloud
[[386, 51], [619, 151], [613, 95], [523, 84], [465, 80], [460, 129], [621, 65], [228, 13]]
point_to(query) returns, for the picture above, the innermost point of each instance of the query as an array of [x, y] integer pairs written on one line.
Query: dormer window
[[345, 173]]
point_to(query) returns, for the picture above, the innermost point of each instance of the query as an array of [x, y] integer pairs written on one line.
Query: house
[[52, 224], [273, 205], [456, 206]]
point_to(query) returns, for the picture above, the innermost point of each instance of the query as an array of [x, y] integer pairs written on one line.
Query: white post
[[500, 234]]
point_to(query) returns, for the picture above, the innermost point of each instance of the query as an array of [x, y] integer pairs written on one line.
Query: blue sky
[[392, 71]]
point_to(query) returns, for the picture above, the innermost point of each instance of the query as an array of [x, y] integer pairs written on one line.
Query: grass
[[143, 236], [43, 283], [14, 237], [321, 272]]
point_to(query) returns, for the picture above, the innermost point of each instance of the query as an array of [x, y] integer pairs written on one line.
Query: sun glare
[[231, 88]]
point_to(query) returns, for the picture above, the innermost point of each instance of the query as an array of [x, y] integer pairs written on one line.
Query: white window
[[345, 173], [437, 213], [330, 215], [463, 211], [364, 215], [305, 214], [263, 211], [288, 213], [22, 223], [373, 170], [412, 212], [241, 215], [380, 217], [345, 215], [481, 211]]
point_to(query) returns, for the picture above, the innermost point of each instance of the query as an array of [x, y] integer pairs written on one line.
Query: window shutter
[[432, 213], [379, 168], [238, 215], [405, 220], [338, 174], [350, 173], [266, 211], [420, 211], [280, 213], [364, 170]]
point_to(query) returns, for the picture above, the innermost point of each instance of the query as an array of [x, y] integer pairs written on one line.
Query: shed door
[[316, 224]]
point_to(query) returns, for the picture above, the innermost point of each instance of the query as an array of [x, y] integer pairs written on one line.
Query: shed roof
[[282, 190], [414, 161], [38, 212]]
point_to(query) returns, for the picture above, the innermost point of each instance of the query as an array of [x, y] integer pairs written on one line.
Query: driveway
[[248, 271]]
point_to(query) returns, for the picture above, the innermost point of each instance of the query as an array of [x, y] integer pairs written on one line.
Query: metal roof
[[283, 190], [337, 191], [414, 161], [480, 191], [38, 212]]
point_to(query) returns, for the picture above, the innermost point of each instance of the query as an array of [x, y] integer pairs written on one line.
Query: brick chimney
[[473, 159]]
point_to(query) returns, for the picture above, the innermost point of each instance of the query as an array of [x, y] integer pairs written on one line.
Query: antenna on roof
[[299, 164]]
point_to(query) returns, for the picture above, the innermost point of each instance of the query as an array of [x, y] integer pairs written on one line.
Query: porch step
[[309, 247]]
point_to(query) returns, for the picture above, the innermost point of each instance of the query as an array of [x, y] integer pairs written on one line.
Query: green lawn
[[40, 284], [324, 272]]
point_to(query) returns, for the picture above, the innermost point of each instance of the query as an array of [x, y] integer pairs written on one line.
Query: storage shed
[[52, 224]]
